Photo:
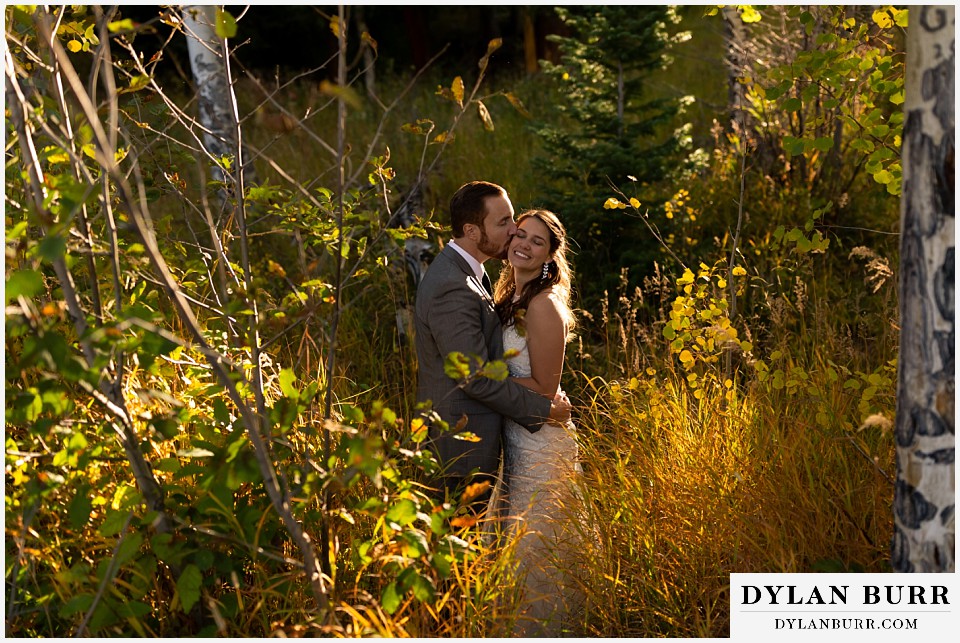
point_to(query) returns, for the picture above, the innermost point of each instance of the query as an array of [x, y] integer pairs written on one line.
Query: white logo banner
[[843, 607]]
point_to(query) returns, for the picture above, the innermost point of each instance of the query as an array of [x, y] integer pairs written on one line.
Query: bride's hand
[[560, 408]]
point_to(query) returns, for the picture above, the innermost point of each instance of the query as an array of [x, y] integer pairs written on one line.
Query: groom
[[455, 312]]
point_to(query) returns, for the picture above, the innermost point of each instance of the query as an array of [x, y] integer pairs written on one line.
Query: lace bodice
[[519, 365]]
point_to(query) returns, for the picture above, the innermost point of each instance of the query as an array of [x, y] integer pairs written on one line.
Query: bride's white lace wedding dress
[[538, 502]]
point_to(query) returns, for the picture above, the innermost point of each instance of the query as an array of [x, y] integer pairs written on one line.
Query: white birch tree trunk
[[924, 500], [214, 103]]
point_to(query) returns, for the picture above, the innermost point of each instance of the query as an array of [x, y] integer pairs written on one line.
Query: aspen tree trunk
[[924, 499], [735, 39], [213, 93]]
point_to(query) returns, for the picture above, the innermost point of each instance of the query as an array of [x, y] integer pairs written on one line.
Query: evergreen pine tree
[[607, 131]]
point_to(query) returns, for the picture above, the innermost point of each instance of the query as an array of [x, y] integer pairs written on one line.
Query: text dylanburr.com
[[843, 607]]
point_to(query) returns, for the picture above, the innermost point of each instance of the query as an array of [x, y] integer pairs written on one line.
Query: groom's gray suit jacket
[[455, 313]]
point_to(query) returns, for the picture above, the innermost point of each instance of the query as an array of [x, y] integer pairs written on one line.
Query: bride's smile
[[530, 247]]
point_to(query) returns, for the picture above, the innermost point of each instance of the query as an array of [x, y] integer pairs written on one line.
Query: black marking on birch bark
[[927, 423], [900, 551], [940, 456], [932, 19], [943, 286], [911, 507], [947, 514]]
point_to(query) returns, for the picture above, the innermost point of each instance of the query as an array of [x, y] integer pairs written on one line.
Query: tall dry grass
[[784, 471]]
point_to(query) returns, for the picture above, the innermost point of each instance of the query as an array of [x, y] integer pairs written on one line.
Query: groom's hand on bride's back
[[560, 409]]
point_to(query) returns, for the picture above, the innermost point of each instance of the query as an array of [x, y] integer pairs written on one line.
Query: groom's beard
[[492, 251]]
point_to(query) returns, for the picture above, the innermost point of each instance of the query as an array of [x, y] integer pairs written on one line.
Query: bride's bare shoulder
[[551, 304]]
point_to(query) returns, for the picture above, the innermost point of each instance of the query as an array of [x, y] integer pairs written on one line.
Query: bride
[[532, 296]]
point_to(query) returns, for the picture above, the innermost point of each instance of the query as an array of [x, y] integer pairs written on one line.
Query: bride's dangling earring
[[546, 270]]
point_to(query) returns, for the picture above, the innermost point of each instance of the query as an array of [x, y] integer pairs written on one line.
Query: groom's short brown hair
[[469, 204]]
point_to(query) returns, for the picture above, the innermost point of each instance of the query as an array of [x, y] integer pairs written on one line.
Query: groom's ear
[[470, 231]]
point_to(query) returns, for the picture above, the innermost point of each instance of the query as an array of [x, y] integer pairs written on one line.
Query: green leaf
[[129, 548], [792, 105], [166, 426], [113, 523], [80, 508], [28, 283], [423, 589], [287, 378], [442, 564], [793, 146], [138, 82], [76, 605], [457, 366], [352, 414], [496, 370], [52, 247], [132, 609], [188, 586], [226, 26], [402, 512], [883, 177], [824, 143], [390, 598], [669, 332], [195, 453]]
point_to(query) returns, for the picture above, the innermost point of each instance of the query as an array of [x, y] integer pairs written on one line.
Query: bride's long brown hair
[[557, 276]]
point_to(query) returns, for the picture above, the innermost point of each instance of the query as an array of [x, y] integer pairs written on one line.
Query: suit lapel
[[462, 264]]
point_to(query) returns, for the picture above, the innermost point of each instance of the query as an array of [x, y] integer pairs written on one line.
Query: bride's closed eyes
[[537, 239]]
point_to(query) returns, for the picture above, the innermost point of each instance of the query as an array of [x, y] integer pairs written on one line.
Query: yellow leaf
[[226, 25], [749, 14], [635, 203], [463, 521], [457, 89], [612, 204], [367, 38], [347, 94], [121, 25], [882, 18], [275, 268], [485, 116], [474, 490], [517, 104], [74, 46], [686, 356]]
